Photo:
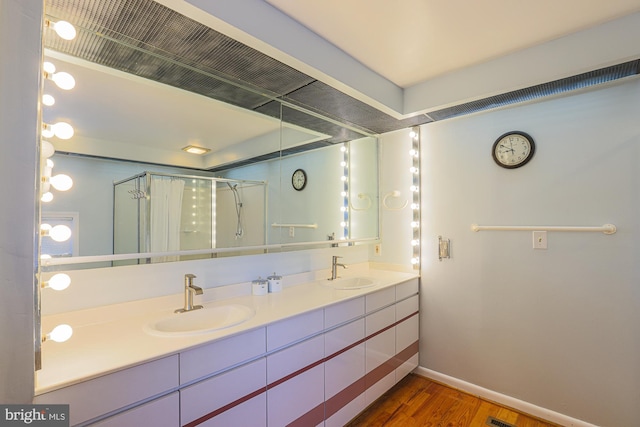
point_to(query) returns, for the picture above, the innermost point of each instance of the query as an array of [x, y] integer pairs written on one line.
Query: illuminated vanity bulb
[[48, 67], [415, 224], [414, 188], [59, 233], [413, 152], [343, 224], [413, 169], [46, 149], [343, 164], [60, 333], [61, 129], [47, 197], [61, 182], [343, 178], [58, 282], [415, 206], [343, 194], [343, 148], [63, 29], [415, 261], [48, 100], [415, 242], [62, 80], [343, 209], [413, 134]]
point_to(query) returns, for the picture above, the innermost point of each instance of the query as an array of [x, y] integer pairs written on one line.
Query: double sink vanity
[[316, 353]]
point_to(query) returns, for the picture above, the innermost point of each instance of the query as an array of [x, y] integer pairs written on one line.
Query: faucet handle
[[188, 279]]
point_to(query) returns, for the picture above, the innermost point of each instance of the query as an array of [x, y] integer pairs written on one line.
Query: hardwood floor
[[418, 401]]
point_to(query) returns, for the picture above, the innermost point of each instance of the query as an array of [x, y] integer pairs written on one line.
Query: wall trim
[[503, 399]]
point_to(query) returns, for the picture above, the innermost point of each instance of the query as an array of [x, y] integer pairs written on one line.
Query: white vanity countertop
[[112, 338]]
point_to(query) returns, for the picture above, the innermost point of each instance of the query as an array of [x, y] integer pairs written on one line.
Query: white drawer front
[[162, 412], [407, 307], [343, 337], [289, 360], [92, 398], [206, 360], [296, 328], [380, 299], [209, 395], [343, 312], [380, 320], [406, 289]]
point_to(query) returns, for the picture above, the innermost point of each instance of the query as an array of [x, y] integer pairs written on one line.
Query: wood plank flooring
[[418, 401]]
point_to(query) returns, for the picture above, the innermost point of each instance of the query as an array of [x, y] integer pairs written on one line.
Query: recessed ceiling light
[[195, 150]]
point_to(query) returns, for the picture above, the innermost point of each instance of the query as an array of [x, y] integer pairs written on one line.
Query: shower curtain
[[165, 210]]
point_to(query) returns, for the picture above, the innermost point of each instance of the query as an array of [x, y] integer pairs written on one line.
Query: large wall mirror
[[135, 108]]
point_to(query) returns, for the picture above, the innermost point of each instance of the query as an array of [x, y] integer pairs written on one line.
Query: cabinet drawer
[[294, 329], [92, 398], [407, 307], [380, 320], [343, 312], [162, 412], [219, 355], [408, 288], [294, 358], [380, 299], [236, 386]]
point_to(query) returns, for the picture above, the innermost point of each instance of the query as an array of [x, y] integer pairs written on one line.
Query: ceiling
[[410, 41]]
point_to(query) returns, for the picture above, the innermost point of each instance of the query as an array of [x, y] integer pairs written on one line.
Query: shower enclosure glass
[[156, 212]]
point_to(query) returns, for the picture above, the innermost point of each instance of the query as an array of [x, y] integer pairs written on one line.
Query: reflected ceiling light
[[64, 29], [62, 80], [59, 233], [61, 129], [60, 333], [58, 282], [48, 100], [193, 149]]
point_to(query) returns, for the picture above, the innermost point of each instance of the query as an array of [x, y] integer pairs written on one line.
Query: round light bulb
[[343, 194], [343, 178], [343, 148], [415, 242], [61, 182], [413, 152], [415, 224], [343, 224], [47, 197], [413, 169], [415, 261], [413, 134], [415, 206], [59, 282], [48, 67], [63, 80], [343, 164], [48, 100], [46, 149], [343, 209], [45, 256], [60, 233], [60, 333], [62, 130], [64, 29], [414, 188]]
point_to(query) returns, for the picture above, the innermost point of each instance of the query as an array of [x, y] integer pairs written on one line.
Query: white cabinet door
[[162, 412], [344, 372], [407, 336], [233, 398], [380, 352], [295, 389]]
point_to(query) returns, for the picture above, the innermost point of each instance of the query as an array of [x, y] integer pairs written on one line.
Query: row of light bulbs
[[344, 163], [60, 182], [415, 191]]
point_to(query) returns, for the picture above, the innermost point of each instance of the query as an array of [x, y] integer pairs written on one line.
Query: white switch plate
[[539, 240]]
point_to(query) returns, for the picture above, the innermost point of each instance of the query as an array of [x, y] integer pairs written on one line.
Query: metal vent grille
[[147, 39], [494, 422], [579, 81]]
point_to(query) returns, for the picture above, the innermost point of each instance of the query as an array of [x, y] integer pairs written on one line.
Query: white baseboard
[[503, 399]]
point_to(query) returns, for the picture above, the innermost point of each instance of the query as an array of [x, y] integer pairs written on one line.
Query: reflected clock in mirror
[[299, 179]]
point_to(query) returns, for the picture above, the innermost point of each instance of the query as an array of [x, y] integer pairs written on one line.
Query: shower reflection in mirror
[[181, 212]]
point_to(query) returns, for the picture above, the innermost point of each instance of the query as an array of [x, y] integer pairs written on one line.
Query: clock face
[[513, 149], [299, 179]]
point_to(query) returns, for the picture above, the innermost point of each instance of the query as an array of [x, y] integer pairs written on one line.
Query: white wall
[[558, 328], [20, 51]]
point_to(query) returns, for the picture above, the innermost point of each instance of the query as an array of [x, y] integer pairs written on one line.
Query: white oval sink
[[350, 283], [200, 321]]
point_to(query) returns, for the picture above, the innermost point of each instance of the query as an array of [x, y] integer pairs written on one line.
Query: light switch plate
[[539, 240]]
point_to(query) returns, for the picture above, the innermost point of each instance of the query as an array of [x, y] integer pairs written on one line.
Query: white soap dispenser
[[259, 286]]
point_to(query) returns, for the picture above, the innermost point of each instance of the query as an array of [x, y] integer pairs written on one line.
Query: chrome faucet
[[334, 267], [189, 291]]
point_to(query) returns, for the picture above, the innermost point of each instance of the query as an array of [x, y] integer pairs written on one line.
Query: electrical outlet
[[378, 249], [539, 240], [292, 231]]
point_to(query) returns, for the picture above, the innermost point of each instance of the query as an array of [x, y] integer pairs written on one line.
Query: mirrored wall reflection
[[252, 143]]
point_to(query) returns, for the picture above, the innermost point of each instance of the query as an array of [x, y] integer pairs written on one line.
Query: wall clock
[[299, 179], [513, 149]]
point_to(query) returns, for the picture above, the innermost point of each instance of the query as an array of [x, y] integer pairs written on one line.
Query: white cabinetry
[[161, 412], [96, 397]]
